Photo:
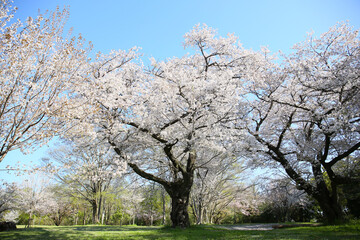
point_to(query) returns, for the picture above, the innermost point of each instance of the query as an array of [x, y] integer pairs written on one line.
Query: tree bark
[[94, 212], [163, 206], [327, 199], [178, 189], [179, 207], [332, 210], [99, 208], [29, 220], [84, 220], [200, 221]]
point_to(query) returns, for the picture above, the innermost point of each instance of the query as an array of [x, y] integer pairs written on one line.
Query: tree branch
[[345, 154], [149, 176]]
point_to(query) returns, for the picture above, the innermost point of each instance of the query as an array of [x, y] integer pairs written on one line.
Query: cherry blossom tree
[[131, 199], [11, 216], [86, 170], [39, 67], [246, 203], [305, 116], [175, 117], [7, 198], [124, 202], [34, 196], [151, 205], [61, 206], [215, 187], [285, 200]]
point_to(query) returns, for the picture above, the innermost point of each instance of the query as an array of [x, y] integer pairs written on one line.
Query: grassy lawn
[[349, 231]]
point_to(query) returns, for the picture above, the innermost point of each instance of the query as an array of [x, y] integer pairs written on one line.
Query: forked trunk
[[327, 198], [178, 190], [328, 201]]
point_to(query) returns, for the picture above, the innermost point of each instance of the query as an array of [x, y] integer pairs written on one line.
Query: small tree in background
[[215, 188], [87, 170], [34, 196], [7, 198]]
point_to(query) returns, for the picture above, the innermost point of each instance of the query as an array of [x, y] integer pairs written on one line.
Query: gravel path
[[260, 227], [267, 226]]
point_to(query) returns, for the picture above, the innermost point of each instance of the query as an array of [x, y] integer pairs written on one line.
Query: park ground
[[256, 231]]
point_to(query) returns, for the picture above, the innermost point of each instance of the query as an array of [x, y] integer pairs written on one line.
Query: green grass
[[348, 231]]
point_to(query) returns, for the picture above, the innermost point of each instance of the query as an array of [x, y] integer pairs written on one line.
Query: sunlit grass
[[348, 231]]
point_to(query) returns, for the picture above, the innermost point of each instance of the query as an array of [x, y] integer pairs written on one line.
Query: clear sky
[[158, 26]]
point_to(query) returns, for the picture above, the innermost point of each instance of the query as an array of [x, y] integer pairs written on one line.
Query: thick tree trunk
[[332, 210], [328, 202], [178, 190], [94, 212], [179, 209], [327, 199], [57, 218]]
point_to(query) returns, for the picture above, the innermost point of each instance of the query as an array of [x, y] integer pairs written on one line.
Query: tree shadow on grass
[[35, 234], [113, 228], [85, 232], [196, 232]]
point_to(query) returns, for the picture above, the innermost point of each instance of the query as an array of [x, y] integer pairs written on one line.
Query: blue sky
[[158, 26]]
